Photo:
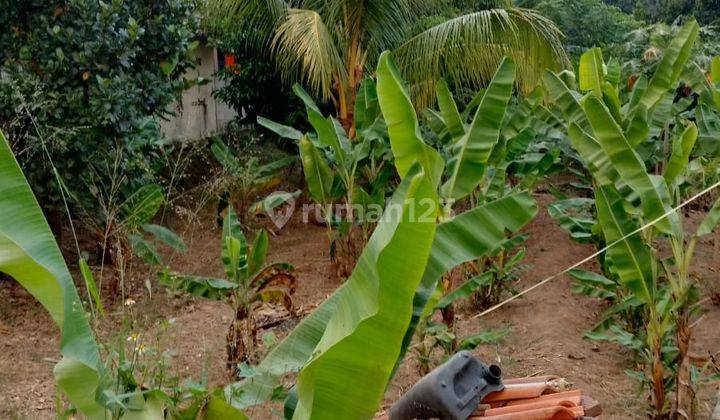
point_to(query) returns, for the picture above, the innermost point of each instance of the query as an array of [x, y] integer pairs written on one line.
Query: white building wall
[[198, 114]]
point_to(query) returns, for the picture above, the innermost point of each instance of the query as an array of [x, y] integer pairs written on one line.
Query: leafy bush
[[87, 80]]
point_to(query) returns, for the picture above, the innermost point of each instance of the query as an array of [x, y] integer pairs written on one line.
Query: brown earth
[[546, 326]]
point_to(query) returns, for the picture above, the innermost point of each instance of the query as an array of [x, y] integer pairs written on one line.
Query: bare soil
[[546, 326]]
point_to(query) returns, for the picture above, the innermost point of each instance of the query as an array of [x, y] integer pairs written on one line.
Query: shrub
[[88, 80]]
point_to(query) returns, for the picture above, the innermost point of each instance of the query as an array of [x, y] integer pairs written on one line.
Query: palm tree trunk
[[347, 94], [685, 392]]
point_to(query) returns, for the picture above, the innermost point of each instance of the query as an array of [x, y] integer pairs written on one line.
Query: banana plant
[[333, 161], [249, 281], [126, 231], [349, 168], [635, 207], [143, 237], [247, 181]]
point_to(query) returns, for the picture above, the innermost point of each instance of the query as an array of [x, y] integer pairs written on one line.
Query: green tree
[[87, 79], [331, 45], [588, 23]]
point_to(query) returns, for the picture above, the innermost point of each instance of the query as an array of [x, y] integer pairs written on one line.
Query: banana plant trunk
[[448, 312], [685, 391], [658, 381], [240, 340]]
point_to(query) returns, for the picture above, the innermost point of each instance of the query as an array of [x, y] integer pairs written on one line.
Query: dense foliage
[[251, 86], [586, 23], [705, 11], [83, 83]]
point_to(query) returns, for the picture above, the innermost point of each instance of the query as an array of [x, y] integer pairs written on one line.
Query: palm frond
[[257, 19], [305, 50], [469, 48]]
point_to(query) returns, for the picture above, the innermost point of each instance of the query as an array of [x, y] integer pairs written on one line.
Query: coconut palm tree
[[329, 45]]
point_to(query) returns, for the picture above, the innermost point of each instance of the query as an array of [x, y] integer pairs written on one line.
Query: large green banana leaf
[[672, 64], [318, 175], [297, 348], [631, 258], [471, 235], [30, 255], [363, 337], [402, 123], [629, 165], [471, 153]]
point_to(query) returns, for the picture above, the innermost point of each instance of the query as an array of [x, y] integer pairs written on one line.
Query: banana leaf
[[296, 349], [281, 130], [574, 215], [591, 72], [614, 71], [367, 108], [465, 290], [234, 248], [318, 175], [629, 165], [448, 109], [592, 284], [471, 153], [682, 147], [403, 128], [715, 70], [711, 220], [30, 255], [596, 160], [204, 287], [466, 237], [166, 236], [631, 258], [363, 338], [708, 142], [672, 64], [563, 98], [324, 127], [142, 205]]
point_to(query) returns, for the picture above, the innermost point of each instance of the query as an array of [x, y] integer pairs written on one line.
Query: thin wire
[[594, 255]]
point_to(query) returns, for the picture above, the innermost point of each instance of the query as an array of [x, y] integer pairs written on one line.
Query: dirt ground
[[546, 326]]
